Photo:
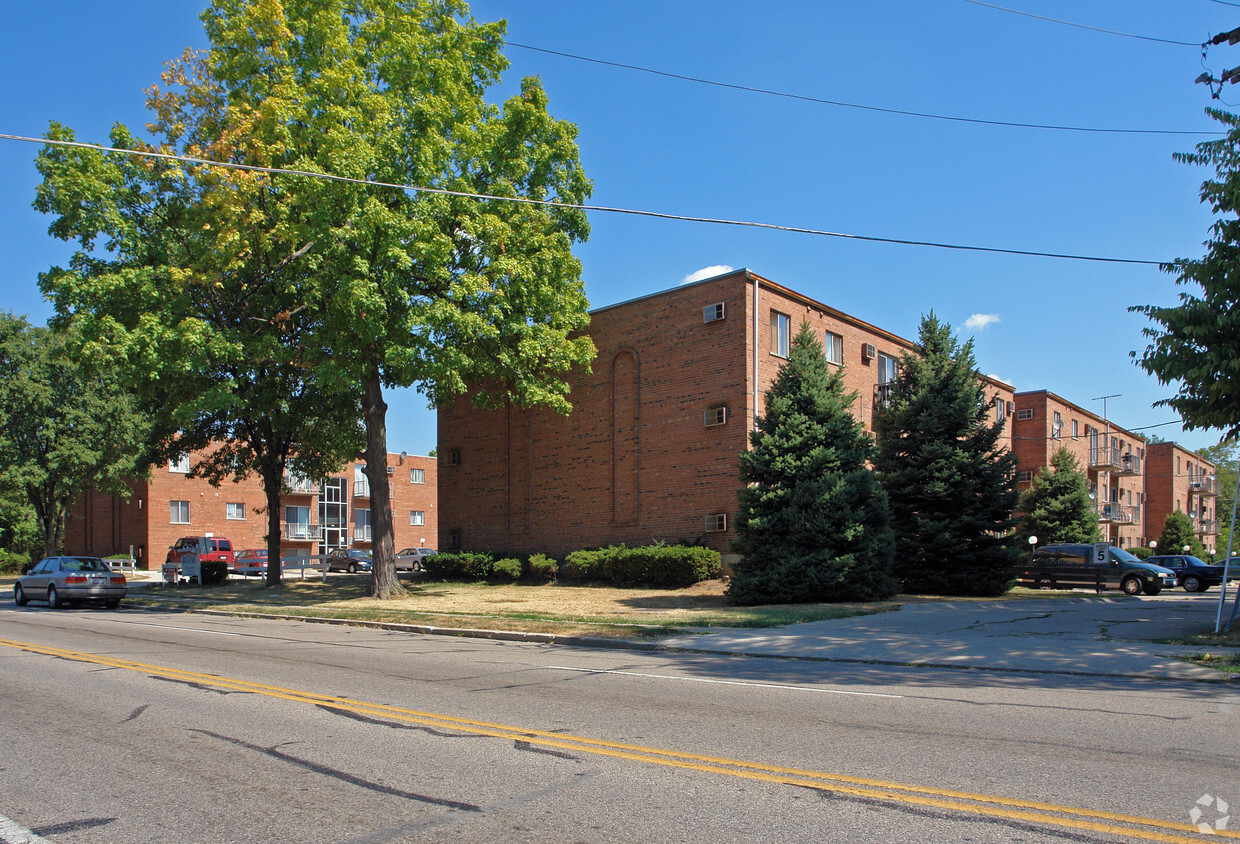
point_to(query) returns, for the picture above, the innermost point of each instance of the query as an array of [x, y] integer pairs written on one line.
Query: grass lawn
[[1220, 661]]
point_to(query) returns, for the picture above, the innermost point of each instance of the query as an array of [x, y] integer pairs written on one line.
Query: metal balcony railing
[[882, 394], [361, 487], [1118, 514], [361, 533], [1204, 485], [299, 485], [1206, 527], [302, 532], [1105, 459]]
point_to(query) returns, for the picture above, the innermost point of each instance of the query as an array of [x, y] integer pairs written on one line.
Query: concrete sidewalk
[[1094, 635]]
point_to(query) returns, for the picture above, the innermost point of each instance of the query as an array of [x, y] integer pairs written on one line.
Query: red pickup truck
[[200, 549]]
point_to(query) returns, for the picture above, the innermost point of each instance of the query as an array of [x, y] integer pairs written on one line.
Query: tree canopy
[[950, 481], [64, 428], [813, 523], [395, 270], [1056, 507], [1195, 345], [1177, 534]]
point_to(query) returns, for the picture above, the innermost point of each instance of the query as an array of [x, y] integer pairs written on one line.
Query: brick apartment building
[[1134, 484], [1178, 479], [650, 450], [314, 519]]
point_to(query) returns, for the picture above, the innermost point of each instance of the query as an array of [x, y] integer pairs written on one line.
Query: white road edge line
[[721, 682], [13, 833]]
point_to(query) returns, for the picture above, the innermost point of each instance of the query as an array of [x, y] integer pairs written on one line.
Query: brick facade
[[650, 450], [1179, 479], [171, 505]]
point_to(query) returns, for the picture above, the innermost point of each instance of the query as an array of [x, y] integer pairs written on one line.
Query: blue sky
[[655, 143]]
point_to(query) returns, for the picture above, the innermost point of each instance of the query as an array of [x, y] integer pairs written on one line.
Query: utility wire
[[1084, 26], [844, 104], [579, 207]]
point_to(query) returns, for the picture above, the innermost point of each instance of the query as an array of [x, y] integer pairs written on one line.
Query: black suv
[[1098, 566], [1195, 574]]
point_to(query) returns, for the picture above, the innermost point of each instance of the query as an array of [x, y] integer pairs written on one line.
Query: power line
[[1084, 26], [845, 104], [580, 207]]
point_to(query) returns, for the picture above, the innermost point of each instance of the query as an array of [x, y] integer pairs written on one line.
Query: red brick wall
[[1169, 488]]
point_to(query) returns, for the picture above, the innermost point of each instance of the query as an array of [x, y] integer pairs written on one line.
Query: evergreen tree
[[950, 483], [1176, 533], [1056, 507], [813, 522]]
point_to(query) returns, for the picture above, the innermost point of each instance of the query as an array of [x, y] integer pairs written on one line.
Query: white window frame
[[1024, 413], [417, 518], [176, 508], [888, 368], [180, 464], [417, 476], [781, 334], [833, 344], [232, 508]]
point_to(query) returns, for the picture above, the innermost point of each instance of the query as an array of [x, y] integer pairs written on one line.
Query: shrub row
[[656, 565]]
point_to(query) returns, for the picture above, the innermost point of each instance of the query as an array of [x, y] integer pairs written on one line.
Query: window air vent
[[868, 352]]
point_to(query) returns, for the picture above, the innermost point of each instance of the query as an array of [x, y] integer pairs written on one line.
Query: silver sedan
[[67, 580]]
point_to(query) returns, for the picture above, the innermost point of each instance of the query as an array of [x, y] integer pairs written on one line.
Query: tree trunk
[[383, 580], [273, 486]]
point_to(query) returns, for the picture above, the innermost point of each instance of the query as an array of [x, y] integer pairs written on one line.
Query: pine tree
[[1177, 532], [950, 482], [1057, 507], [813, 522]]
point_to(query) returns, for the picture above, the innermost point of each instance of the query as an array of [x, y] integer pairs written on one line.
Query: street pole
[[1231, 538]]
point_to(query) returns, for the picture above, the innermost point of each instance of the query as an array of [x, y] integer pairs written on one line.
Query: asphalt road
[[139, 726]]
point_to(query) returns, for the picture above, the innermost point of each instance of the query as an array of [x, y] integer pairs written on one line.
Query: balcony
[[1205, 527], [882, 394], [302, 532], [1118, 514], [361, 487], [1114, 460], [1204, 485], [298, 485]]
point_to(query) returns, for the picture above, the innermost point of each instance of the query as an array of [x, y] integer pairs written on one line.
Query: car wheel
[[352, 568], [1153, 588], [1192, 584], [1131, 586], [53, 600], [417, 565], [19, 595], [112, 603], [1045, 583]]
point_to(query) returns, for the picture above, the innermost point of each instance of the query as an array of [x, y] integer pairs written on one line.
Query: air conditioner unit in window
[[1011, 408], [868, 352], [716, 416], [714, 313], [716, 522], [391, 470]]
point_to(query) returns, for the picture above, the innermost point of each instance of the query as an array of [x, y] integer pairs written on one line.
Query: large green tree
[[1056, 506], [950, 480], [1195, 344], [813, 523], [64, 427], [1178, 534], [436, 285]]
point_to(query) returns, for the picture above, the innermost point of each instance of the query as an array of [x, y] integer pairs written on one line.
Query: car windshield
[[83, 564], [1123, 556]]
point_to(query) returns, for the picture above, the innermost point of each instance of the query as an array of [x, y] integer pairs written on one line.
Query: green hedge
[[540, 568], [506, 570], [1140, 552], [462, 566], [653, 565]]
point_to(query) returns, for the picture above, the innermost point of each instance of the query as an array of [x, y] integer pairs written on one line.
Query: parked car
[[349, 559], [189, 552], [250, 561], [1195, 574], [67, 580], [410, 559], [1097, 566]]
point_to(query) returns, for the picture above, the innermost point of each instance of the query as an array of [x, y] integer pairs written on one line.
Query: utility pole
[[1227, 76]]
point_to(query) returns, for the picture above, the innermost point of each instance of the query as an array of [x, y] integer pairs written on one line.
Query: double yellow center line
[[1127, 827]]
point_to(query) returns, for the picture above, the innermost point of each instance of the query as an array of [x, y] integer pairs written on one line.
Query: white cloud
[[979, 321], [706, 272]]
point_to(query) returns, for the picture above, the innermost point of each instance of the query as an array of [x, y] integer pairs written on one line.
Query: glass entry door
[[334, 514]]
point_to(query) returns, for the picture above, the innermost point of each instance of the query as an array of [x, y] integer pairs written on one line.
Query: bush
[[12, 562], [540, 568], [464, 566], [506, 570], [654, 565], [214, 572], [1140, 552]]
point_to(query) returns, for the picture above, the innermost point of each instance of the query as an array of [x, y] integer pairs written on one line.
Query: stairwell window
[[781, 326]]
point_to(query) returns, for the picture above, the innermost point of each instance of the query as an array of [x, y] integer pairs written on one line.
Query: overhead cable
[[845, 104], [575, 206], [1084, 26]]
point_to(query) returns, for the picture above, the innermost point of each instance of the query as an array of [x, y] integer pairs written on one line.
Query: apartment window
[[1000, 409], [454, 457], [1024, 413], [417, 517], [1076, 429], [1024, 477], [235, 510], [834, 345], [179, 464], [888, 368], [179, 512], [715, 416], [781, 326], [1056, 425], [716, 522], [454, 539], [417, 476]]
